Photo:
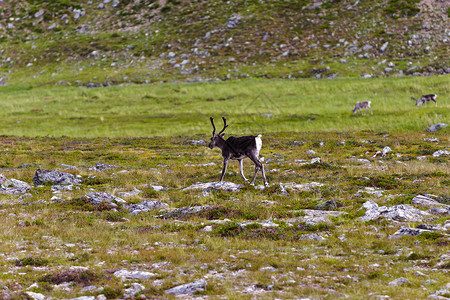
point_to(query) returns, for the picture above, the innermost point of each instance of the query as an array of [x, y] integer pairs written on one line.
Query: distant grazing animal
[[360, 105], [238, 148], [425, 98]]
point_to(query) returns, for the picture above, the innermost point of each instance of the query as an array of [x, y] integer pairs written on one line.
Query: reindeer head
[[217, 137]]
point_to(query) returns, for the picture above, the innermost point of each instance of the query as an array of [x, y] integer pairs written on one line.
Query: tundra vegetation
[[146, 144], [107, 188]]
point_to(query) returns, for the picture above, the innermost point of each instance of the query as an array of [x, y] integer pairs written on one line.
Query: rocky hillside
[[115, 41]]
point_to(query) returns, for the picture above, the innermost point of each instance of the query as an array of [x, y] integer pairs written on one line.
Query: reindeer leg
[[258, 165], [254, 175], [264, 175], [241, 169], [225, 165]]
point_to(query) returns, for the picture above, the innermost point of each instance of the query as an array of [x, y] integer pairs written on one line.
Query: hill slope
[[107, 42]]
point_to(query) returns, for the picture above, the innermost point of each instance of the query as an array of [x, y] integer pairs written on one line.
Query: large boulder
[[43, 176], [13, 186], [427, 201], [401, 212]]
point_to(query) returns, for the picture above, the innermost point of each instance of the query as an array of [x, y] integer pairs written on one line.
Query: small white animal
[[360, 105], [425, 98]]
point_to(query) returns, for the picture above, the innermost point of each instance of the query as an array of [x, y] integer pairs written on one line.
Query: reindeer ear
[[222, 134]]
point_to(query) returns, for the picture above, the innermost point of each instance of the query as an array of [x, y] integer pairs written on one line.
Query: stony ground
[[347, 215]]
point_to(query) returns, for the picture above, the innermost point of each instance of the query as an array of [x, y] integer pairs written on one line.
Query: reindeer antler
[[212, 122], [224, 125]]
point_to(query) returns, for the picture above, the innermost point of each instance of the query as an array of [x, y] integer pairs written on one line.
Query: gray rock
[[314, 217], [400, 281], [384, 47], [196, 142], [406, 231], [62, 187], [444, 261], [440, 211], [132, 193], [367, 47], [13, 183], [43, 176], [39, 14], [188, 288], [102, 167], [99, 197], [430, 227], [77, 13], [441, 152], [426, 201], [224, 185], [314, 5], [145, 206], [125, 274], [440, 294], [233, 22], [69, 167], [433, 139], [303, 187], [283, 191], [115, 3], [412, 69], [369, 190], [35, 296], [401, 212], [185, 211], [133, 290], [312, 237], [436, 127]]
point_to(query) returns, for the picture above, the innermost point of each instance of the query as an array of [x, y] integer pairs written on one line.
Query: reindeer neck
[[220, 142]]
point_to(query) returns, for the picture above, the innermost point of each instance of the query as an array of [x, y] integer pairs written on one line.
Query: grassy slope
[[129, 40], [251, 106]]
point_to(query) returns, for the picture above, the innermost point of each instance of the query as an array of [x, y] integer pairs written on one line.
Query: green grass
[[41, 239], [145, 130], [251, 107]]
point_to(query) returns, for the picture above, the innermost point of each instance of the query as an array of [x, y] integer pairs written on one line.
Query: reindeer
[[360, 105], [425, 98], [238, 148]]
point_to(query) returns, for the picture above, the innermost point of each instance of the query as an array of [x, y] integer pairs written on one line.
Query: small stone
[[125, 274], [188, 288], [39, 14], [400, 281], [436, 127]]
